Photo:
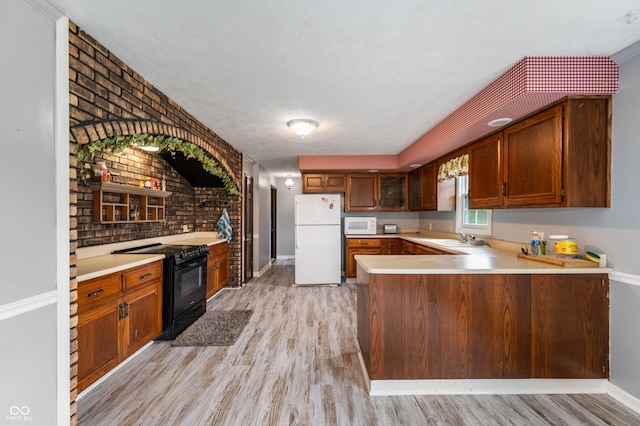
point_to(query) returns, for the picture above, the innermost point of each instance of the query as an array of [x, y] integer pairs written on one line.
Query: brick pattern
[[107, 98]]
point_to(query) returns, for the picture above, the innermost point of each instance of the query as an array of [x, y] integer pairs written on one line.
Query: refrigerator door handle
[[295, 224]]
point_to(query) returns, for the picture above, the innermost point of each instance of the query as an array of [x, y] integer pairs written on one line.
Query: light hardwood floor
[[296, 364]]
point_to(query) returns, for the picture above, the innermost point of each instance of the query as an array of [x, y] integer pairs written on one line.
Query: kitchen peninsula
[[425, 322]]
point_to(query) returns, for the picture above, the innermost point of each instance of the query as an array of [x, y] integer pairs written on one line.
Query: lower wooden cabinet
[[217, 268], [115, 319], [360, 246], [390, 246], [483, 326]]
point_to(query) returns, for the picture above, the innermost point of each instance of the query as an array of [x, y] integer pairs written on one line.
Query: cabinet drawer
[[142, 274], [364, 242], [99, 290]]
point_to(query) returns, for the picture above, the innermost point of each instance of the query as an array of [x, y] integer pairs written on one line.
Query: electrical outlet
[[185, 228], [450, 228], [430, 226]]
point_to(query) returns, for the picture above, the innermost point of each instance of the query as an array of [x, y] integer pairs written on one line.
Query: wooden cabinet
[[407, 247], [390, 246], [422, 188], [483, 326], [328, 182], [117, 203], [411, 248], [371, 192], [569, 326], [419, 249], [360, 246], [217, 268], [559, 157], [118, 314]]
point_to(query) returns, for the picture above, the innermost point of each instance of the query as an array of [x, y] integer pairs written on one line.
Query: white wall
[[34, 301], [285, 237], [613, 231]]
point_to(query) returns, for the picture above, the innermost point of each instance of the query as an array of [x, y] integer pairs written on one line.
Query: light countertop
[[465, 259], [97, 261]]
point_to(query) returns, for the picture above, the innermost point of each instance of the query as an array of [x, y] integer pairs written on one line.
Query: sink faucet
[[462, 236]]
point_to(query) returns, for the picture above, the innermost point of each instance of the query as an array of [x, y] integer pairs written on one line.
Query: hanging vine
[[87, 153]]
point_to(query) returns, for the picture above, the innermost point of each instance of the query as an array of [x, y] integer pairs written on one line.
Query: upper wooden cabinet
[[329, 182], [559, 157], [422, 188], [371, 192]]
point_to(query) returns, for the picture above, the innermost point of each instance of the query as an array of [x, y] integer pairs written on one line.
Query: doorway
[[274, 221], [248, 228]]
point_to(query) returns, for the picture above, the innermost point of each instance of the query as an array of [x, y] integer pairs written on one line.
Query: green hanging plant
[[87, 153]]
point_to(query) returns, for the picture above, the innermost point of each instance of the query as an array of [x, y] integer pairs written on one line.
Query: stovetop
[[180, 253]]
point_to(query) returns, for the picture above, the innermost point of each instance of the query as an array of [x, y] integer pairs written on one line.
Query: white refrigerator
[[317, 239]]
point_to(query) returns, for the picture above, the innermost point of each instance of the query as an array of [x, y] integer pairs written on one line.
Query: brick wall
[[107, 98]]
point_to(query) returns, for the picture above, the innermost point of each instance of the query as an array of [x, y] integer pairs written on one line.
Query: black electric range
[[184, 284]]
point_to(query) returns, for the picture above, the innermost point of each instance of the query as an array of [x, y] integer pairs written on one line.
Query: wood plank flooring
[[296, 364]]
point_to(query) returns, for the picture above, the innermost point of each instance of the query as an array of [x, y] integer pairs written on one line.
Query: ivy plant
[[87, 153]]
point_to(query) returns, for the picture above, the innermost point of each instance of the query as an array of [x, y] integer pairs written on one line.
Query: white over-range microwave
[[360, 225]]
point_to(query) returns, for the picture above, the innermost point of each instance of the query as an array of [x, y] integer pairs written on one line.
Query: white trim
[[29, 304], [111, 372], [624, 277], [623, 397], [47, 8], [487, 386], [263, 270], [61, 155], [286, 257], [627, 53]]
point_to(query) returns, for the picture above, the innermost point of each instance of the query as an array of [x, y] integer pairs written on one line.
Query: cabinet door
[[335, 182], [143, 321], [420, 249], [361, 192], [428, 185], [98, 342], [390, 246], [392, 192], [313, 183], [533, 160], [415, 190], [222, 270], [407, 247], [486, 181], [569, 326], [351, 261], [212, 276]]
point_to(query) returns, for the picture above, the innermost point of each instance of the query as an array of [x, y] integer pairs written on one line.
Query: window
[[475, 222]]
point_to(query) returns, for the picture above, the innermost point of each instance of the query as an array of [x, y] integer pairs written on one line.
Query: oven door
[[189, 285]]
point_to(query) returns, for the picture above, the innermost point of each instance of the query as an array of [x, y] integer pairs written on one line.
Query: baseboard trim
[[263, 270], [623, 397], [111, 372]]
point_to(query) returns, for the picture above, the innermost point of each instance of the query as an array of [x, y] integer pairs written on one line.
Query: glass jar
[[564, 245], [101, 172]]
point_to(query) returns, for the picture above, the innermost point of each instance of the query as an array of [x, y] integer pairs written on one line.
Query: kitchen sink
[[445, 242]]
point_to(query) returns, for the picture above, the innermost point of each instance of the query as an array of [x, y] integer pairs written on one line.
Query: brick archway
[[97, 130]]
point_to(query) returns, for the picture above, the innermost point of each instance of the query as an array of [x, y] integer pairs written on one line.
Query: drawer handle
[[94, 293], [365, 243], [142, 277]]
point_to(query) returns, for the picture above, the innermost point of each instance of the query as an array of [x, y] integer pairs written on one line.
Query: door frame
[[274, 222], [247, 242]]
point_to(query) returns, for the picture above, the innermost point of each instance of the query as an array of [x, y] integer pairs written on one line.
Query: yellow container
[[563, 245]]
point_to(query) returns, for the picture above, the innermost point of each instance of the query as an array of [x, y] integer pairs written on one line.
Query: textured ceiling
[[376, 75]]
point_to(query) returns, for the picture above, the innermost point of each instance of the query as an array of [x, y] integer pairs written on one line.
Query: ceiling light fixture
[[150, 148], [302, 126], [415, 166], [500, 122]]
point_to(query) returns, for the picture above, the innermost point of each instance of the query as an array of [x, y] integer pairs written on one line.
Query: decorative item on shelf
[[101, 172], [302, 126]]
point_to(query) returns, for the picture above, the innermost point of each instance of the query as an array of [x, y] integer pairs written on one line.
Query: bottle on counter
[[535, 244]]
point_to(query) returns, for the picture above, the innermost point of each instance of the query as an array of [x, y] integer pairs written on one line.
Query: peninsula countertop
[[464, 259]]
